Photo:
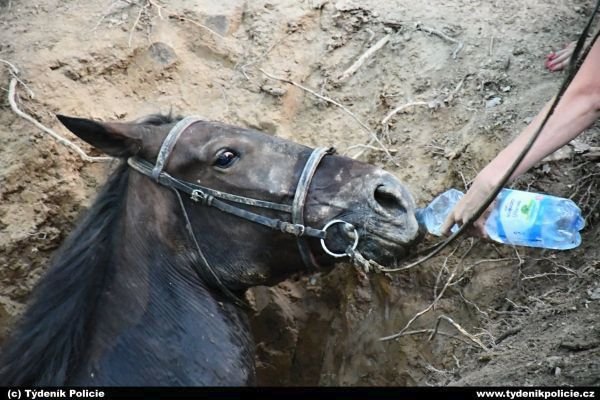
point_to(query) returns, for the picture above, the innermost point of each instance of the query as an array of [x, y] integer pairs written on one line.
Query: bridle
[[220, 200]]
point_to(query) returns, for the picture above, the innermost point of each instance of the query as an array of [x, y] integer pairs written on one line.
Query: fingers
[[448, 224], [557, 61], [560, 62], [478, 228]]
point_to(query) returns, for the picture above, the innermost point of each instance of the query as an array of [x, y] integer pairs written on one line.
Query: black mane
[[49, 341]]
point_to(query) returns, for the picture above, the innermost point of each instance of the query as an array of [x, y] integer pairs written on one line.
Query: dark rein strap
[[214, 198]]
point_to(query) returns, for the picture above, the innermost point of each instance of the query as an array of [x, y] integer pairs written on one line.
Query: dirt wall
[[529, 316]]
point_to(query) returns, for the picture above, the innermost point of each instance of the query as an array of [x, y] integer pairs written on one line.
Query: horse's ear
[[115, 139]]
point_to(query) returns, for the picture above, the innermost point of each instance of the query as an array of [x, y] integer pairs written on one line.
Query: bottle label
[[518, 214]]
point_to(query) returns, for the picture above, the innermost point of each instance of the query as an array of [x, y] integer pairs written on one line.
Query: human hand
[[482, 187], [559, 60]]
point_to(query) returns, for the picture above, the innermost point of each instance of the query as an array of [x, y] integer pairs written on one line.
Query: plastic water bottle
[[517, 217], [433, 216]]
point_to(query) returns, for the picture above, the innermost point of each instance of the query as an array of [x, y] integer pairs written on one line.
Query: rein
[[214, 198]]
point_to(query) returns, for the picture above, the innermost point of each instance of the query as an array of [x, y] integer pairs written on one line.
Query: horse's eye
[[225, 158]]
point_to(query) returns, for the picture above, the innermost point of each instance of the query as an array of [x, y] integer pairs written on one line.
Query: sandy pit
[[532, 315]]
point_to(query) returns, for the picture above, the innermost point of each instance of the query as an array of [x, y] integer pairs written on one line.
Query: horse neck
[[107, 278], [51, 334], [154, 293]]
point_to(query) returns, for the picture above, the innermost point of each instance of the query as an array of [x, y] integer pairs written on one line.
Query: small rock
[[71, 74], [224, 17], [517, 51], [557, 371], [493, 102], [546, 169], [505, 89], [555, 362], [162, 54], [273, 91], [594, 294], [580, 147]]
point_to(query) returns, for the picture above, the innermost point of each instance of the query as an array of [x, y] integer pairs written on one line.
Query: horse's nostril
[[389, 200]]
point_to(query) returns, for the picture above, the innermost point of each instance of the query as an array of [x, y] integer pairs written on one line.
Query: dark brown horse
[[147, 289]]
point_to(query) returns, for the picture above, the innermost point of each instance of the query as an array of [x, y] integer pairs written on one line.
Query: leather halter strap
[[167, 145], [300, 200], [211, 198], [215, 198]]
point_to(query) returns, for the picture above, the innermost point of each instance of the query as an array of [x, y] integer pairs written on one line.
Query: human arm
[[576, 111]]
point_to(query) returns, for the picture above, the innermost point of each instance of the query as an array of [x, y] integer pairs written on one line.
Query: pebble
[[517, 51], [594, 294], [493, 102], [273, 91]]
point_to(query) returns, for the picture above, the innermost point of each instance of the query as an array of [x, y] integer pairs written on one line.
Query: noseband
[[215, 198]]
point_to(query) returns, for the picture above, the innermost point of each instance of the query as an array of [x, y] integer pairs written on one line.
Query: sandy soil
[[533, 313]]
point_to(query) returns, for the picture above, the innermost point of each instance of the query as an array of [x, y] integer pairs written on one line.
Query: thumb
[[448, 224]]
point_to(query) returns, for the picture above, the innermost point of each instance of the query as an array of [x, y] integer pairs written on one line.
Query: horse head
[[293, 207]]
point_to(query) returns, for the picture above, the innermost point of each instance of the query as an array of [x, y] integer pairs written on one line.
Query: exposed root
[[420, 313], [172, 15], [108, 12], [537, 276], [404, 107], [508, 333], [193, 22], [158, 7], [341, 106], [364, 57], [12, 96], [136, 22], [432, 104], [262, 56], [14, 71], [462, 330], [439, 275], [431, 31], [369, 147]]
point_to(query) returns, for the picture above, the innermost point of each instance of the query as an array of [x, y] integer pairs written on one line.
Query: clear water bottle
[[433, 216], [518, 218]]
